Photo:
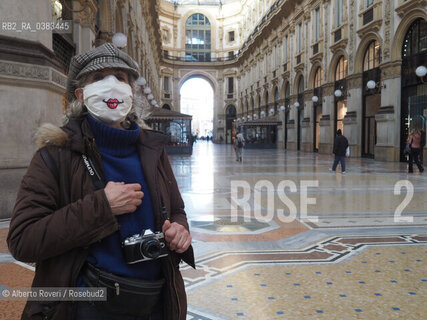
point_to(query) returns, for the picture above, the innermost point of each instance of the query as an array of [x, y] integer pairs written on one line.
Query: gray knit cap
[[102, 57]]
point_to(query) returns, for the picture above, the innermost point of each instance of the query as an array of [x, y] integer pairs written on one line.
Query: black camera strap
[[94, 174]]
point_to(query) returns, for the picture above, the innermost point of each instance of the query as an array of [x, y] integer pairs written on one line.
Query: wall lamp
[[141, 81], [119, 40], [371, 84], [339, 93], [421, 72], [315, 99]]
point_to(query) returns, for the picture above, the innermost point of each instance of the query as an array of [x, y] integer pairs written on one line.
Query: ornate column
[[388, 117], [293, 125], [326, 122], [307, 123], [353, 119], [84, 25]]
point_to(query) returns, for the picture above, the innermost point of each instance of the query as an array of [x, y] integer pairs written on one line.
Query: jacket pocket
[[43, 310]]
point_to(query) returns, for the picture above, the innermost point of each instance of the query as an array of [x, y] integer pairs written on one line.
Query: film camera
[[147, 245]]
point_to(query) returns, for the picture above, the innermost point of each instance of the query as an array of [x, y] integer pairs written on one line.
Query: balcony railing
[[337, 35], [193, 59], [315, 48], [368, 16], [264, 20]]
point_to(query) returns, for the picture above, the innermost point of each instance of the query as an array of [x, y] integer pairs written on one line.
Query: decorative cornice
[[373, 26], [407, 6], [341, 44], [328, 89], [386, 110], [32, 73], [354, 80], [391, 70], [350, 117]]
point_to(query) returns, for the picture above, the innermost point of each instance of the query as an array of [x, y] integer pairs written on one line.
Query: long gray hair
[[139, 112]]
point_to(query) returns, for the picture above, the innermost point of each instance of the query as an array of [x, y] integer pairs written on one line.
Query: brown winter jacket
[[56, 219]]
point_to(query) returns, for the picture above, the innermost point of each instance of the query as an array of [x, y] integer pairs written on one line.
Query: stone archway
[[399, 36], [217, 111]]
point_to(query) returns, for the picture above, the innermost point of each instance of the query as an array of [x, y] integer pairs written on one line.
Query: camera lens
[[151, 248]]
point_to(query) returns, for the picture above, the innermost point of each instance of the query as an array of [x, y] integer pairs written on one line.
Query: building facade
[[308, 63], [34, 65]]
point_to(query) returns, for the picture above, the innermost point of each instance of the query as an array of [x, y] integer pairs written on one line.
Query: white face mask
[[108, 100]]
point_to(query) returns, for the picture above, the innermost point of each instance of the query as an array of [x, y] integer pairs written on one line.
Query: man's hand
[[123, 198], [178, 238]]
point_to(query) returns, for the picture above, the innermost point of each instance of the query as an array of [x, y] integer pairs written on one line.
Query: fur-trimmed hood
[[49, 134], [73, 133]]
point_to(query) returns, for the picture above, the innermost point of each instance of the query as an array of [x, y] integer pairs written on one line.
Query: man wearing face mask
[[99, 205]]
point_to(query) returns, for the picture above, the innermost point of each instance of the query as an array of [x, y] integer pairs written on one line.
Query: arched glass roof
[[202, 2]]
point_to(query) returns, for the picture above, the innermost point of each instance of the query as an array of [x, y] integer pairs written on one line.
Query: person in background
[[423, 144], [414, 140], [340, 148], [239, 143]]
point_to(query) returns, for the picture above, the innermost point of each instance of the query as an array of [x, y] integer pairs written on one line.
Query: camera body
[[147, 245]]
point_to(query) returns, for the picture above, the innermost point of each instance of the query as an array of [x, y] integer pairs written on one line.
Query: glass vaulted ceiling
[[202, 2]]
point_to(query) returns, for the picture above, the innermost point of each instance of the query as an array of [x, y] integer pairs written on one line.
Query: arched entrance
[[300, 109], [371, 97], [414, 89], [340, 94], [230, 116], [197, 100], [287, 111], [317, 107], [276, 100]]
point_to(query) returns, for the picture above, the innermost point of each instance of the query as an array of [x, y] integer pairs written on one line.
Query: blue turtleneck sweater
[[121, 164]]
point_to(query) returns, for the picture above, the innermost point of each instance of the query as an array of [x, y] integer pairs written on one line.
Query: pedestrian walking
[[239, 143], [339, 151], [415, 145]]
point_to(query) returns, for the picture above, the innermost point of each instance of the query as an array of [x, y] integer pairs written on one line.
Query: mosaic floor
[[278, 236]]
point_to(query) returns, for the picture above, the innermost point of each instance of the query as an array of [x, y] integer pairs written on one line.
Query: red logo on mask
[[112, 103]]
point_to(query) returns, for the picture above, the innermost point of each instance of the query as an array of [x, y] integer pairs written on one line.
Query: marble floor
[[279, 236]]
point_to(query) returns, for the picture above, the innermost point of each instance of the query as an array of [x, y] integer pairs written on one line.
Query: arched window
[[198, 38], [301, 85], [287, 91], [166, 106], [231, 111], [341, 69], [318, 77], [276, 98], [372, 56], [416, 38]]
